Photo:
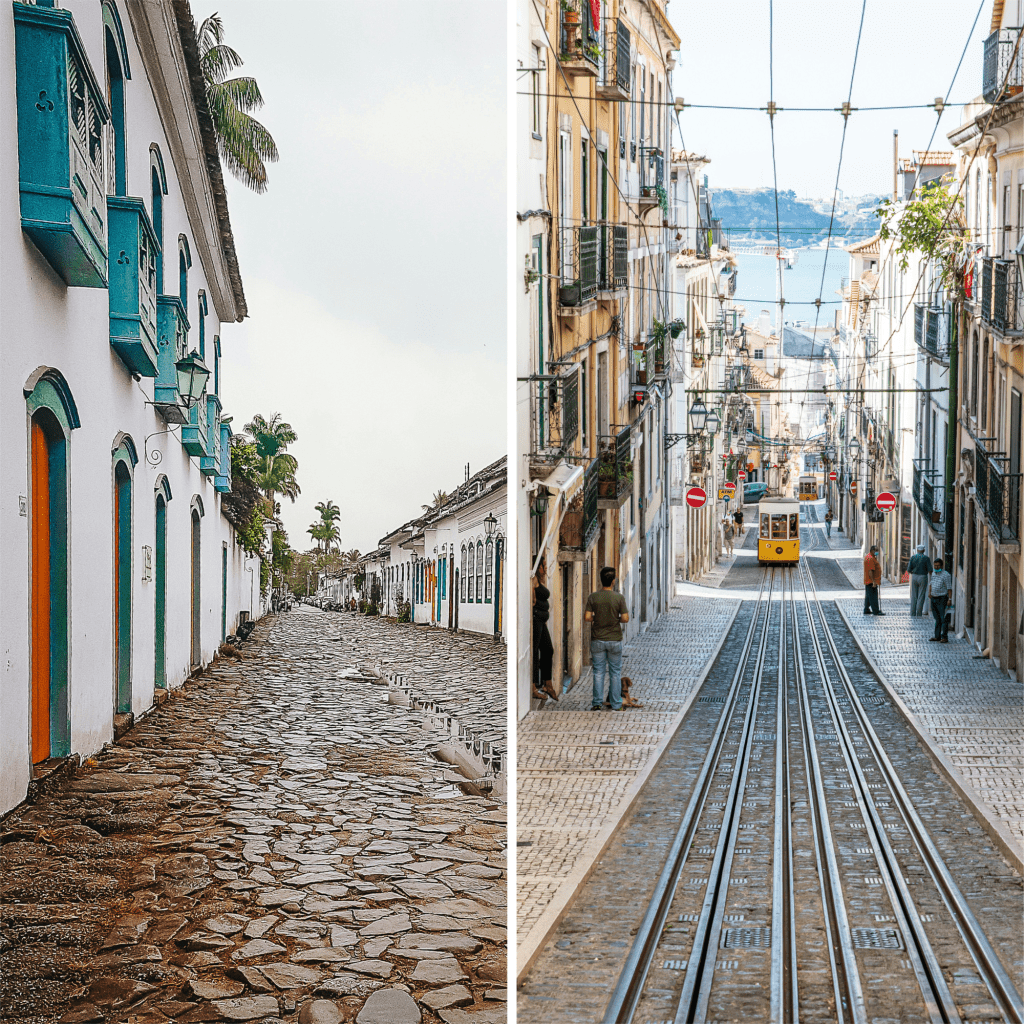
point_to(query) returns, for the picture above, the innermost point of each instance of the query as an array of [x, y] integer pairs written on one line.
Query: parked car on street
[[754, 492]]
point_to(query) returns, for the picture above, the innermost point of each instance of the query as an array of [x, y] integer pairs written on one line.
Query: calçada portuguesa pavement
[[275, 842]]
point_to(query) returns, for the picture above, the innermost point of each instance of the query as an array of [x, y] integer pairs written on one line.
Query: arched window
[[479, 571], [489, 571], [983, 410], [184, 265], [974, 376], [117, 180], [462, 577], [471, 585], [157, 193], [201, 310]]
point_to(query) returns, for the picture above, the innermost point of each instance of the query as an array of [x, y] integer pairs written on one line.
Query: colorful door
[[497, 586], [224, 593], [160, 579], [123, 587], [41, 572], [197, 647]]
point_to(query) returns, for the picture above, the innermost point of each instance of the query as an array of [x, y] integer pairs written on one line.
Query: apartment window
[[659, 115], [584, 182], [983, 417], [977, 202], [974, 377], [643, 107], [1006, 220], [471, 573], [462, 577], [479, 571], [759, 353], [535, 90], [489, 572], [632, 119], [565, 204]]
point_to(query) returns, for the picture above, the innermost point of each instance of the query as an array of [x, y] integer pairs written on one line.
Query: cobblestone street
[[275, 842]]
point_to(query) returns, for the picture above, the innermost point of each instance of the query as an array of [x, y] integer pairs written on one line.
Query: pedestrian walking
[[872, 581], [939, 585], [543, 648], [737, 518], [920, 569], [606, 611], [828, 523], [728, 534]]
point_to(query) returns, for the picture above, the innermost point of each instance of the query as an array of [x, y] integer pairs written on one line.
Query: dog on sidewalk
[[627, 701]]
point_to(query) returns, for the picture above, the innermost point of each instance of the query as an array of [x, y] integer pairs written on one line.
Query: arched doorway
[[197, 646], [122, 587]]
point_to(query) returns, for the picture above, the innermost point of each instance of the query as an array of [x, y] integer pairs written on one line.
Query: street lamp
[[854, 449], [698, 415], [192, 375], [712, 422], [490, 525], [540, 502]]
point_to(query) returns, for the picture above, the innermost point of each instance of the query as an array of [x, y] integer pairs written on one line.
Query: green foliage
[[931, 224], [404, 612], [245, 145], [277, 468], [266, 574], [244, 506]]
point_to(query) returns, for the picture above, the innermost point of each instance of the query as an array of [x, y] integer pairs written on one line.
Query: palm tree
[[352, 556], [277, 468], [329, 512], [440, 498], [243, 142]]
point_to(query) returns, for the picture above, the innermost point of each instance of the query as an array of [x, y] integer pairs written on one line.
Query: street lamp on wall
[[698, 416], [490, 524], [192, 375]]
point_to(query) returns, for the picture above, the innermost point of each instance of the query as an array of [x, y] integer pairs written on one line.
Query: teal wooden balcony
[[133, 251], [195, 433], [61, 114], [222, 481], [172, 344], [210, 457]]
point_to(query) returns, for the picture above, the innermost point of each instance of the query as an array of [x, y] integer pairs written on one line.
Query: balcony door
[[197, 647], [565, 175], [160, 581], [123, 587]]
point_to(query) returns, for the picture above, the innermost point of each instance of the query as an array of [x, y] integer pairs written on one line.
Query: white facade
[[55, 347]]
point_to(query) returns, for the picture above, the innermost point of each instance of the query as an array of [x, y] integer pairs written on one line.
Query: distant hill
[[748, 215]]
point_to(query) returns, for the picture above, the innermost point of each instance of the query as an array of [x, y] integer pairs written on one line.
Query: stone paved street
[[579, 770], [276, 842], [971, 712]]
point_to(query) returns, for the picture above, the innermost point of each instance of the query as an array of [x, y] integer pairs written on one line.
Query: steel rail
[[700, 968], [784, 1004], [846, 983], [629, 987], [994, 974], [938, 1000]]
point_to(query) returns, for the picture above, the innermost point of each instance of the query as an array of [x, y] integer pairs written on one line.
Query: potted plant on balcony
[[570, 12], [606, 478], [676, 327], [571, 294]]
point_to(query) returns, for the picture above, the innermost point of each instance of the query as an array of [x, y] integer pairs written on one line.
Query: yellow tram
[[807, 488], [778, 532]]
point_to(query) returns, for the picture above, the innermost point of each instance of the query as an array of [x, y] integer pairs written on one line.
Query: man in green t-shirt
[[606, 611]]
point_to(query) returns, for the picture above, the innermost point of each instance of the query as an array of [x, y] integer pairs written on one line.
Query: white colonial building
[[120, 574]]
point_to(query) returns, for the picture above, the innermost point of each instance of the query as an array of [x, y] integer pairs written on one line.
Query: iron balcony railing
[[998, 494], [652, 173], [580, 524], [579, 42], [612, 257], [931, 329], [581, 268], [615, 473], [613, 65], [929, 493], [554, 414], [1007, 312], [996, 67], [986, 288]]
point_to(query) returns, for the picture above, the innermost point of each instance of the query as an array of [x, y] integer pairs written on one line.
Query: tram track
[[837, 807]]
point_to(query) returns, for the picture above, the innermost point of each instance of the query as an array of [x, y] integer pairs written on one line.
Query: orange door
[[40, 556]]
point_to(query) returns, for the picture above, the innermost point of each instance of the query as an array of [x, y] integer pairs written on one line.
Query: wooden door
[[160, 579], [197, 647], [40, 530]]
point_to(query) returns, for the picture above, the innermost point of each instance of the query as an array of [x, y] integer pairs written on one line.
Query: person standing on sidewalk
[[939, 585], [828, 523], [606, 611], [543, 649], [872, 581], [920, 569]]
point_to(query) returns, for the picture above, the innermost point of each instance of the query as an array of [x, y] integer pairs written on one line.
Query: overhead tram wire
[[717, 106]]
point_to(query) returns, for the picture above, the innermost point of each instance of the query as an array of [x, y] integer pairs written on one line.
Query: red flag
[[595, 13]]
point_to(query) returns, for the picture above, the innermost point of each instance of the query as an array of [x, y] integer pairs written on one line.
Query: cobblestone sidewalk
[[969, 711], [274, 843], [579, 770]]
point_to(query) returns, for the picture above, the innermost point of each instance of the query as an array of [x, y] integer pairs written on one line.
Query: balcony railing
[[998, 494], [929, 493], [613, 257], [580, 267], [554, 414], [580, 524], [931, 330], [613, 65], [172, 335], [222, 481], [1007, 309], [996, 67], [986, 288], [615, 473], [579, 49], [132, 284], [652, 176]]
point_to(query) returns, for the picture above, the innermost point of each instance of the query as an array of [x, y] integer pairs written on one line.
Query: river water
[[755, 285]]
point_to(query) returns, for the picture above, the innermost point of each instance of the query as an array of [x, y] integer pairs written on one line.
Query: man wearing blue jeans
[[606, 611]]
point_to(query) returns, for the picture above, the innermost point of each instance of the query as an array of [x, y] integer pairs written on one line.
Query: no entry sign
[[695, 497], [886, 501], [833, 475], [742, 474], [729, 485]]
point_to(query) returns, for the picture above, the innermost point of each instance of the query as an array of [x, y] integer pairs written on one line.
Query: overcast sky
[[908, 53], [375, 264]]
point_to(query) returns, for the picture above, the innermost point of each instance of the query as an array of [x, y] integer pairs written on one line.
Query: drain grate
[[877, 938], [746, 938], [710, 700]]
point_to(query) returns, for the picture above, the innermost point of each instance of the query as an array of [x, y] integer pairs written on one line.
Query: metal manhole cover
[[746, 938], [877, 938]]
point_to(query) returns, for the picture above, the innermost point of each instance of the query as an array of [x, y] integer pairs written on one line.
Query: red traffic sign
[[833, 475], [729, 485], [886, 501], [696, 496], [742, 474]]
